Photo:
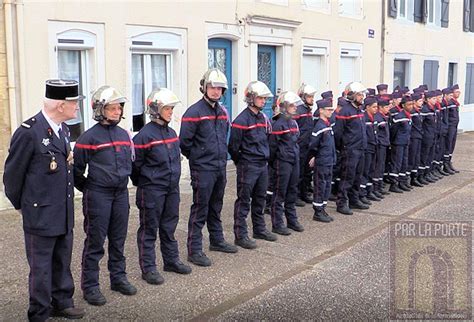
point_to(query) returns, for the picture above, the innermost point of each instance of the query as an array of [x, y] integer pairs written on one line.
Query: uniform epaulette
[[29, 123]]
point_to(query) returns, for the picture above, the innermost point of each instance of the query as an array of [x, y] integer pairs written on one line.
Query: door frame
[[213, 43]]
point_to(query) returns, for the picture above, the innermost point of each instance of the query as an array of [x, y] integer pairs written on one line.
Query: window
[[72, 65], [468, 16], [430, 73], [313, 68], [402, 8], [452, 73], [469, 94], [350, 7], [434, 12], [400, 72], [157, 59], [149, 71], [317, 4], [76, 51], [349, 64]]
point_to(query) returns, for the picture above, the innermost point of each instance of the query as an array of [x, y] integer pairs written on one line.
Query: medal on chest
[[53, 164]]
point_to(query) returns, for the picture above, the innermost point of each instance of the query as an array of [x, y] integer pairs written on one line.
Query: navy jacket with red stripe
[[349, 131], [203, 136], [429, 123], [444, 113], [371, 132], [322, 146], [453, 113], [157, 162], [284, 140], [417, 125], [249, 138], [383, 131], [106, 150], [401, 129], [304, 118]]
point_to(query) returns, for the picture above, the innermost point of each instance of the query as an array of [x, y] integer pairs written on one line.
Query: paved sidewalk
[[330, 271]]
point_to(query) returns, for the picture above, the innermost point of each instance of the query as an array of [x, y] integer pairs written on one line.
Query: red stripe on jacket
[[156, 142], [102, 145]]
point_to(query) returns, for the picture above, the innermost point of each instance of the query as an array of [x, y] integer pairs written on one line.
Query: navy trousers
[[105, 216], [50, 279], [427, 152], [252, 182], [441, 153], [414, 157], [399, 158], [380, 162], [352, 166], [285, 193], [336, 174], [159, 213], [451, 140], [322, 178], [368, 173], [208, 195]]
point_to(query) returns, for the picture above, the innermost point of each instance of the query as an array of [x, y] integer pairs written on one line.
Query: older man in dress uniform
[[39, 183]]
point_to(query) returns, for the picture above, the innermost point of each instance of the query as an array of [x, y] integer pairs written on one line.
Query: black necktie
[[62, 138]]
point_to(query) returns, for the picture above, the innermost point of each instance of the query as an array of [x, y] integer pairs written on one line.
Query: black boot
[[372, 196], [444, 173], [452, 168], [415, 183], [344, 209], [447, 169], [357, 204], [364, 200], [403, 186], [378, 194], [421, 179], [327, 215], [394, 188], [319, 216]]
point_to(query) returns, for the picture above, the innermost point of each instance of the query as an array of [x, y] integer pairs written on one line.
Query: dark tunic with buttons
[[44, 192]]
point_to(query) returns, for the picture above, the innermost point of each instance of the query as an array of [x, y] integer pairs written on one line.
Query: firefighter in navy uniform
[[156, 172], [367, 183], [416, 136], [428, 114], [447, 105], [304, 118], [383, 144], [105, 149], [249, 149], [400, 138], [351, 140], [39, 183], [453, 117], [284, 158], [322, 157], [203, 140]]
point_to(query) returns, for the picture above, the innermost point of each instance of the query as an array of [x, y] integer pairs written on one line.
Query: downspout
[[21, 55], [382, 44], [10, 64]]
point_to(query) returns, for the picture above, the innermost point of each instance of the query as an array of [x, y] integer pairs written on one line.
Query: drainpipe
[[7, 7], [21, 55], [382, 44]]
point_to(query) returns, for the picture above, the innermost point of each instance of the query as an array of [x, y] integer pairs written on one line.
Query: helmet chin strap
[[210, 99]]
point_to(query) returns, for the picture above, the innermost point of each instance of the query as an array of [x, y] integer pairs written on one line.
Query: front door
[[219, 55], [267, 72]]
